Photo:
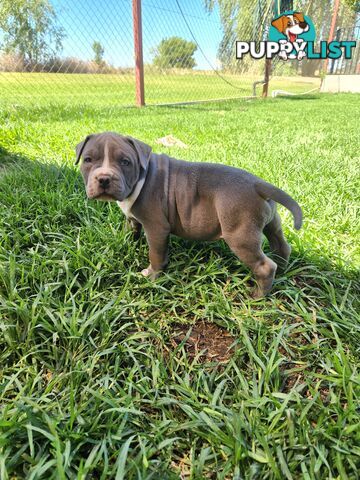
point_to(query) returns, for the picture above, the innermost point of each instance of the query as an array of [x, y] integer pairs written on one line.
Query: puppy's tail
[[266, 190]]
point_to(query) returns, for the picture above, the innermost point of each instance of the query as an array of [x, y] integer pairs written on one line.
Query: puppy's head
[[111, 165]]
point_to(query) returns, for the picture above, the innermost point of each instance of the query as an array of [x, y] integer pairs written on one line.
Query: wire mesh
[[85, 54], [72, 75], [349, 66]]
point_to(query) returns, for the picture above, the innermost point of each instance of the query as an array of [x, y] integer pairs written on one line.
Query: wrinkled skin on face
[[110, 166]]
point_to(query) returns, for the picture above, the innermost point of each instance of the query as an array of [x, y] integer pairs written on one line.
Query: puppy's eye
[[289, 24], [87, 160], [124, 162]]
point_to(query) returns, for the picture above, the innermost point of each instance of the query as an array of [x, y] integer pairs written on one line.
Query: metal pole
[[138, 46], [332, 29], [266, 77], [278, 7], [337, 36]]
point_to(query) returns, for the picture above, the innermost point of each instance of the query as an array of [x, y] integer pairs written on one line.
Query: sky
[[110, 23]]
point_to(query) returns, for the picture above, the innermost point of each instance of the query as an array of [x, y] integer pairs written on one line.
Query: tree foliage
[[241, 20], [99, 51], [353, 4], [30, 30], [175, 52]]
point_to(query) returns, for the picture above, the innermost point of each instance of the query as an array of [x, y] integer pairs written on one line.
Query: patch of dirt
[[206, 341], [297, 376], [294, 378]]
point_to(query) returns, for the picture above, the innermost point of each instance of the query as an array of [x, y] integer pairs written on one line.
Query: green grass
[[114, 90], [91, 385]]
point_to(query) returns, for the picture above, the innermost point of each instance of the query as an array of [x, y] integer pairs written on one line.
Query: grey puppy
[[199, 201]]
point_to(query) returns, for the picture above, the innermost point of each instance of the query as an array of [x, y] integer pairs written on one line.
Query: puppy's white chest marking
[[127, 204]]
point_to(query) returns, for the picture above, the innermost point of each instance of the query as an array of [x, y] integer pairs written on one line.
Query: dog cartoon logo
[[292, 30], [292, 36], [291, 25]]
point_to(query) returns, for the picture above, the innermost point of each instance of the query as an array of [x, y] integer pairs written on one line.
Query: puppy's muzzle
[[104, 181]]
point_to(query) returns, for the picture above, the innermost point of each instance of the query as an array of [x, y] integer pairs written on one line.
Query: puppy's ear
[[299, 16], [80, 147], [280, 23], [143, 151]]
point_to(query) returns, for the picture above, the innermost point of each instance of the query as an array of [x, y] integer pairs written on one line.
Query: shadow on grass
[[228, 104], [297, 97], [11, 163]]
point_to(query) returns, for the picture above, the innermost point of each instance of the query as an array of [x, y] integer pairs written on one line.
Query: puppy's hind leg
[[277, 242], [247, 247]]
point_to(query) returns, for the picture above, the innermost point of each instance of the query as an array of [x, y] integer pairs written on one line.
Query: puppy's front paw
[[257, 294], [150, 273]]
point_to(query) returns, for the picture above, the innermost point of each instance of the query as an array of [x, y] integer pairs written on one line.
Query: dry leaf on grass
[[171, 141]]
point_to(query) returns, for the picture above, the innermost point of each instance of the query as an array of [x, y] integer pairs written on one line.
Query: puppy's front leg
[[135, 227], [158, 240]]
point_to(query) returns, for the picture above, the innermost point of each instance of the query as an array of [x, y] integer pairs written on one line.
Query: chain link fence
[[82, 51], [351, 66]]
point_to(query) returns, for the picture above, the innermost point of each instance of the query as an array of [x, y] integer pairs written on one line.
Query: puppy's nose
[[303, 24], [104, 180]]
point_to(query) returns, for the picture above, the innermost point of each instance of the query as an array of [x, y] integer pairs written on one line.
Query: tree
[[241, 20], [98, 53], [354, 4], [30, 30], [175, 52]]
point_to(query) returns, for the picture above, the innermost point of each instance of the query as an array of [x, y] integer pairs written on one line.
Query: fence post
[[337, 37], [332, 30], [266, 77], [138, 46], [279, 6]]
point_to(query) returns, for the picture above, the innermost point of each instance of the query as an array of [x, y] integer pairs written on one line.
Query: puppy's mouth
[[102, 195], [105, 197]]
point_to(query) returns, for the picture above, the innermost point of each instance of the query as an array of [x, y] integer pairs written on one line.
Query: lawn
[[114, 90], [97, 383]]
